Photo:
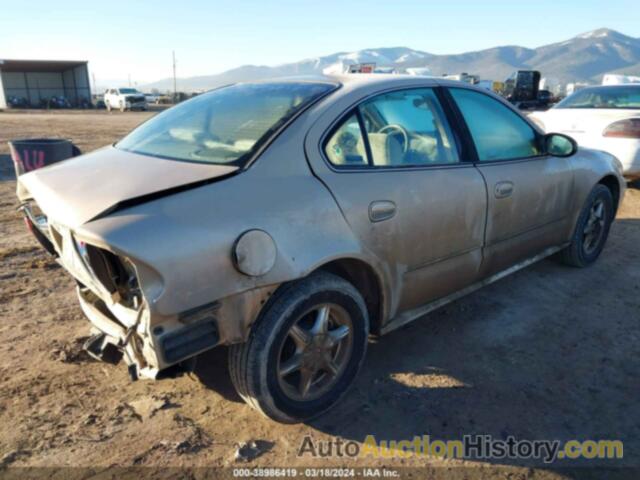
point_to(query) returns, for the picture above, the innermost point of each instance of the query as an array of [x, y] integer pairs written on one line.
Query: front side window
[[225, 126], [497, 131], [403, 129]]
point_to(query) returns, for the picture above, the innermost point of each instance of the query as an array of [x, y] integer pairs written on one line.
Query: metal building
[[38, 80]]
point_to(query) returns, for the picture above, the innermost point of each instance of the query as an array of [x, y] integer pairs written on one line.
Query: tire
[[257, 366], [581, 253]]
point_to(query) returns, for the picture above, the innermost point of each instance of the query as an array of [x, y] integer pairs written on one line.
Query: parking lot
[[548, 353]]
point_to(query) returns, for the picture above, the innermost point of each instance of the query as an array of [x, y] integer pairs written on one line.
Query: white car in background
[[124, 99], [603, 118]]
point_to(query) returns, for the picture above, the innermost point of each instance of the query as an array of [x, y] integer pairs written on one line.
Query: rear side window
[[497, 131], [405, 128], [346, 145]]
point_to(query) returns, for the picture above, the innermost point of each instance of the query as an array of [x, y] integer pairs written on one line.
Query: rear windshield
[[224, 126], [128, 90], [604, 97]]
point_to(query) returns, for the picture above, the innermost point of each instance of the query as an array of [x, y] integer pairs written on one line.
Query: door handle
[[381, 210], [503, 189]]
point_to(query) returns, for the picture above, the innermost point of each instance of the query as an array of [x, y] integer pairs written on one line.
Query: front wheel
[[592, 229], [304, 351]]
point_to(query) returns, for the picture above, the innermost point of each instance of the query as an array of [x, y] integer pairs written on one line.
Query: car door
[[529, 192], [394, 168]]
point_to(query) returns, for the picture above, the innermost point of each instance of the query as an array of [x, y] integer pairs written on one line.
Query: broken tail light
[[115, 273], [628, 128], [37, 224]]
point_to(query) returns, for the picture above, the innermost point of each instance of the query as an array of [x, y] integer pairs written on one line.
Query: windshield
[[128, 90], [224, 126], [604, 97]]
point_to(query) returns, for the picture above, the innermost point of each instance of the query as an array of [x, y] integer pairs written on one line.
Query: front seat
[[386, 149]]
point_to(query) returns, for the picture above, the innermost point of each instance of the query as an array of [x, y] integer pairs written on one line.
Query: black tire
[[254, 365], [576, 254]]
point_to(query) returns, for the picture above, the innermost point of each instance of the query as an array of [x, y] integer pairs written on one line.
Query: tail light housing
[[115, 273], [36, 222], [628, 128]]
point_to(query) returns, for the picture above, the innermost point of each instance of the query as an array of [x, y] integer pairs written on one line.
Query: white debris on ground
[[248, 451]]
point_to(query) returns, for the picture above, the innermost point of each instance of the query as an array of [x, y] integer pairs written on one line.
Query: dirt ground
[[549, 353]]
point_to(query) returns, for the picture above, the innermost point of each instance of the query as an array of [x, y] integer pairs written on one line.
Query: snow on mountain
[[584, 58], [599, 33]]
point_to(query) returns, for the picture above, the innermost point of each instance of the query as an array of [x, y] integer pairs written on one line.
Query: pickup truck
[[124, 99]]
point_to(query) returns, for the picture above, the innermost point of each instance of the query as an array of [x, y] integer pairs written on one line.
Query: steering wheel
[[395, 129]]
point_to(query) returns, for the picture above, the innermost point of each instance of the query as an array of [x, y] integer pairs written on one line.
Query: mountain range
[[584, 58]]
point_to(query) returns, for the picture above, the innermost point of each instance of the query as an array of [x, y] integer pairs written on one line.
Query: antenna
[[175, 92]]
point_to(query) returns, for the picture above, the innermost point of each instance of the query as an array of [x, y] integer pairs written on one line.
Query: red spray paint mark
[[36, 161]]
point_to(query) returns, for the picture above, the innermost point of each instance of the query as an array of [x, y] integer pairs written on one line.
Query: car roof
[[359, 79], [381, 79], [378, 82]]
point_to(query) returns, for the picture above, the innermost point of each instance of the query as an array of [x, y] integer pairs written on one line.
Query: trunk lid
[[584, 125], [77, 190]]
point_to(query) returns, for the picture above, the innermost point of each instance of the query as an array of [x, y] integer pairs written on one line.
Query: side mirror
[[559, 145]]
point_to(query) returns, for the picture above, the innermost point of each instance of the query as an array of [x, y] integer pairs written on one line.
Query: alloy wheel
[[595, 227], [315, 352]]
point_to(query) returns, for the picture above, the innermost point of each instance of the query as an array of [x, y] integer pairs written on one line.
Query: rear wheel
[[304, 351], [591, 230]]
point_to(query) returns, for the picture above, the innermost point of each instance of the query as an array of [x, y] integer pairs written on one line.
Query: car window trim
[[467, 146], [469, 138], [365, 137], [369, 167]]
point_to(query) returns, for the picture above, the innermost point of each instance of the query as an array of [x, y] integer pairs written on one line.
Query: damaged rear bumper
[[148, 340], [145, 352], [150, 343], [111, 340]]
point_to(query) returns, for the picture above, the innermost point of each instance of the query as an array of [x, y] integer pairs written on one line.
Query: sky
[[135, 39]]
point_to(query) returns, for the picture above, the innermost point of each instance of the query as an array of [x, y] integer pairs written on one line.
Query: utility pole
[[129, 79], [175, 90]]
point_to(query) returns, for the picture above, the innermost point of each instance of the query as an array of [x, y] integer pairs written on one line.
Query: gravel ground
[[550, 353]]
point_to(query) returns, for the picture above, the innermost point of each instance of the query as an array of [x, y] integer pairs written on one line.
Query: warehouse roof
[[39, 65]]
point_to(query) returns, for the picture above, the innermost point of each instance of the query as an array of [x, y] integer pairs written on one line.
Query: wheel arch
[[365, 279], [611, 182]]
